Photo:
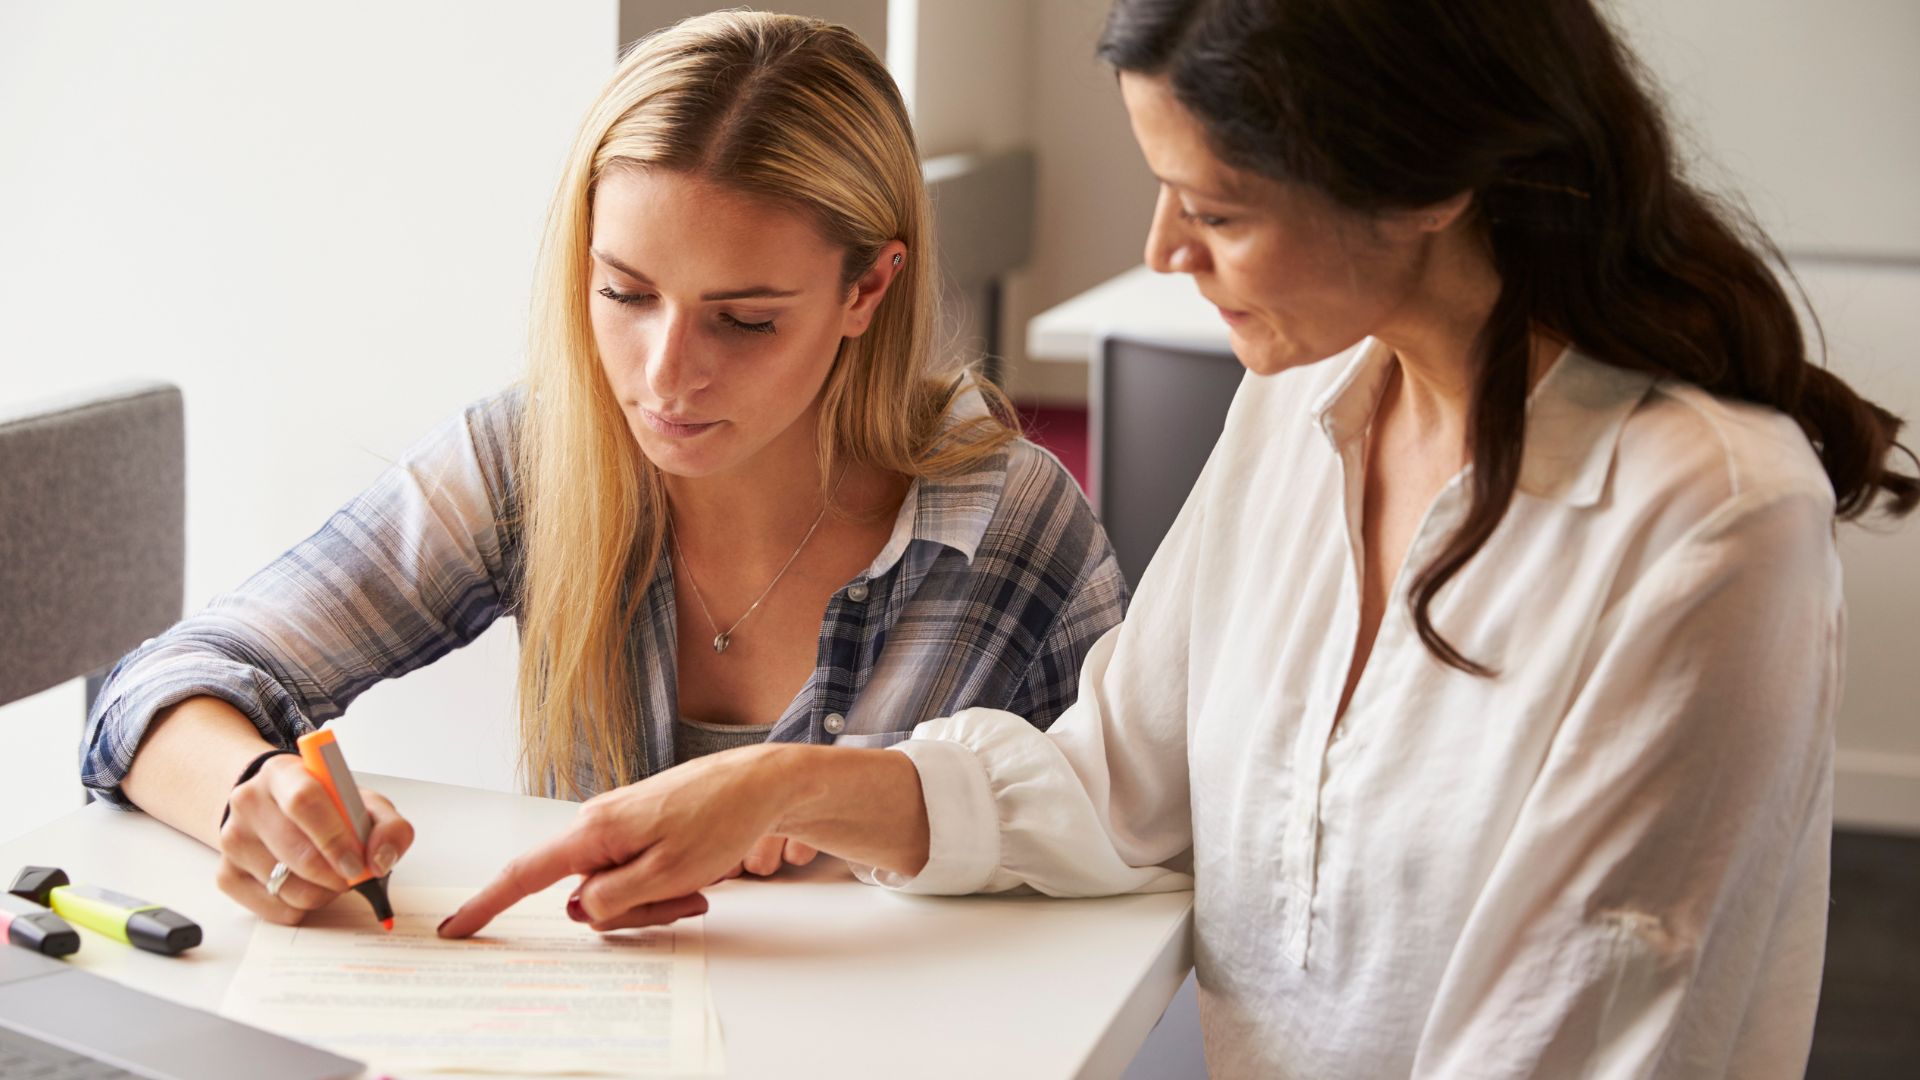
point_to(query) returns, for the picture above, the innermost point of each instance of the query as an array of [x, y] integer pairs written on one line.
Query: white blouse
[[1608, 860]]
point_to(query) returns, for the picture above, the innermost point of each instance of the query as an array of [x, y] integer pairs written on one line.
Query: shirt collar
[[1344, 409], [1574, 417], [951, 511]]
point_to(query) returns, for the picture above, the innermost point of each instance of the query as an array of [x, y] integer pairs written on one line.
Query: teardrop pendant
[[720, 643]]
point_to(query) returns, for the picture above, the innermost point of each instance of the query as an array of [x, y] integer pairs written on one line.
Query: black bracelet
[[248, 773]]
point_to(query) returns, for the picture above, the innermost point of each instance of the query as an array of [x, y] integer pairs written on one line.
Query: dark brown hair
[[1539, 110]]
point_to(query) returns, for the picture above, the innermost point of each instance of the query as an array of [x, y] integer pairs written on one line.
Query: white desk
[[1141, 303], [813, 973]]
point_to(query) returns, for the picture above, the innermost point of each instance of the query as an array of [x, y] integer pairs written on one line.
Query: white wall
[[1804, 108], [966, 74], [1867, 310], [320, 221]]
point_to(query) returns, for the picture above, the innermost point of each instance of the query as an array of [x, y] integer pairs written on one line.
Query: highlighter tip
[[388, 923]]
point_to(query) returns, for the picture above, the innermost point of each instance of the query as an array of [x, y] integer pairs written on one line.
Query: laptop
[[59, 1021]]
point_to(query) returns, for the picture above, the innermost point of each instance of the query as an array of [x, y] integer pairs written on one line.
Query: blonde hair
[[791, 109]]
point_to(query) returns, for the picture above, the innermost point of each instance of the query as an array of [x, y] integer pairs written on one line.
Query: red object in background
[[1061, 430]]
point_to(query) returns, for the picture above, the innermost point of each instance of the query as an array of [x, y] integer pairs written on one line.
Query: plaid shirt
[[990, 591]]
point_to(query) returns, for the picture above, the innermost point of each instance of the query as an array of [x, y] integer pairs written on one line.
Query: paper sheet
[[534, 993]]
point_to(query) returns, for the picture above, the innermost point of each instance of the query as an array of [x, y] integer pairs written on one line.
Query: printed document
[[533, 994]]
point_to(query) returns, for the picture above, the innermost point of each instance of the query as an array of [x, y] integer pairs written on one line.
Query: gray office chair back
[[983, 207], [1157, 411], [92, 532]]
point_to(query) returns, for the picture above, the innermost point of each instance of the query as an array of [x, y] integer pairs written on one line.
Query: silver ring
[[278, 878]]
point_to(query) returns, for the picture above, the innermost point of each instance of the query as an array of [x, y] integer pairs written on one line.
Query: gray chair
[[1157, 409], [983, 231], [92, 532]]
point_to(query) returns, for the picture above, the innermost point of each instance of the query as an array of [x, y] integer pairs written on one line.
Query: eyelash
[[634, 299], [1206, 220]]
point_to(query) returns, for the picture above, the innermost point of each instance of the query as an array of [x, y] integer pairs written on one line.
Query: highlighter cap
[[162, 930], [46, 933], [34, 927], [36, 883]]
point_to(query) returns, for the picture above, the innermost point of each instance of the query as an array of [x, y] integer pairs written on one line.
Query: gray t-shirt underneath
[[697, 738]]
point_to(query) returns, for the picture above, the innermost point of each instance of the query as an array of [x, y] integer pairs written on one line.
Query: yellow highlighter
[[117, 915], [320, 752]]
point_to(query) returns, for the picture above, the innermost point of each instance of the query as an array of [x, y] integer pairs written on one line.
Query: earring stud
[[896, 258]]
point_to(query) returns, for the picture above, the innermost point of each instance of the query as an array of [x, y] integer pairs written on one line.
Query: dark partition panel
[[1157, 410]]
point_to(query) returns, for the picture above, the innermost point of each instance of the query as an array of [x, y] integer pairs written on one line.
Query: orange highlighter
[[320, 752]]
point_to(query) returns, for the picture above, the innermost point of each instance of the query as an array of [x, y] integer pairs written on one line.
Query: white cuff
[[963, 824]]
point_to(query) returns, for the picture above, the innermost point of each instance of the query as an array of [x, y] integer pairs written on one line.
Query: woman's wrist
[[863, 805], [253, 769], [789, 774], [187, 760]]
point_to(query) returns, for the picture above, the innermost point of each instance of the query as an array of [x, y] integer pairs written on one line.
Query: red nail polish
[[575, 909]]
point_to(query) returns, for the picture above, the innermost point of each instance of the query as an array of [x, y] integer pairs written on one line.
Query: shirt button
[[857, 592], [836, 724]]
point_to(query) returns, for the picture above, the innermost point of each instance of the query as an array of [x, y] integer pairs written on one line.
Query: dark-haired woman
[[1486, 683]]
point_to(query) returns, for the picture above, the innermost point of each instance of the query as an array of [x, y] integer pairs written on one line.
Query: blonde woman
[[737, 501]]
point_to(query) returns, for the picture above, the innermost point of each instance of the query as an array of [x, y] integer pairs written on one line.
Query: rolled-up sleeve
[[412, 568]]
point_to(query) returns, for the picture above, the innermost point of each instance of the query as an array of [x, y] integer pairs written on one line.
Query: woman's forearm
[[862, 805], [187, 762]]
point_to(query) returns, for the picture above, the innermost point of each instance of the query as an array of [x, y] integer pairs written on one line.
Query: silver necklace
[[723, 638]]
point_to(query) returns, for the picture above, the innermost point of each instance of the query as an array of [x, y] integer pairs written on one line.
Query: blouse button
[[857, 592], [836, 724]]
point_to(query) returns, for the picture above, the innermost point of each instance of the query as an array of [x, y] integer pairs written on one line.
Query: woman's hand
[[770, 854], [284, 815], [647, 849]]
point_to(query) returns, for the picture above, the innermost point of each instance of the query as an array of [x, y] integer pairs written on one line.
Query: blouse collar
[[1574, 417]]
